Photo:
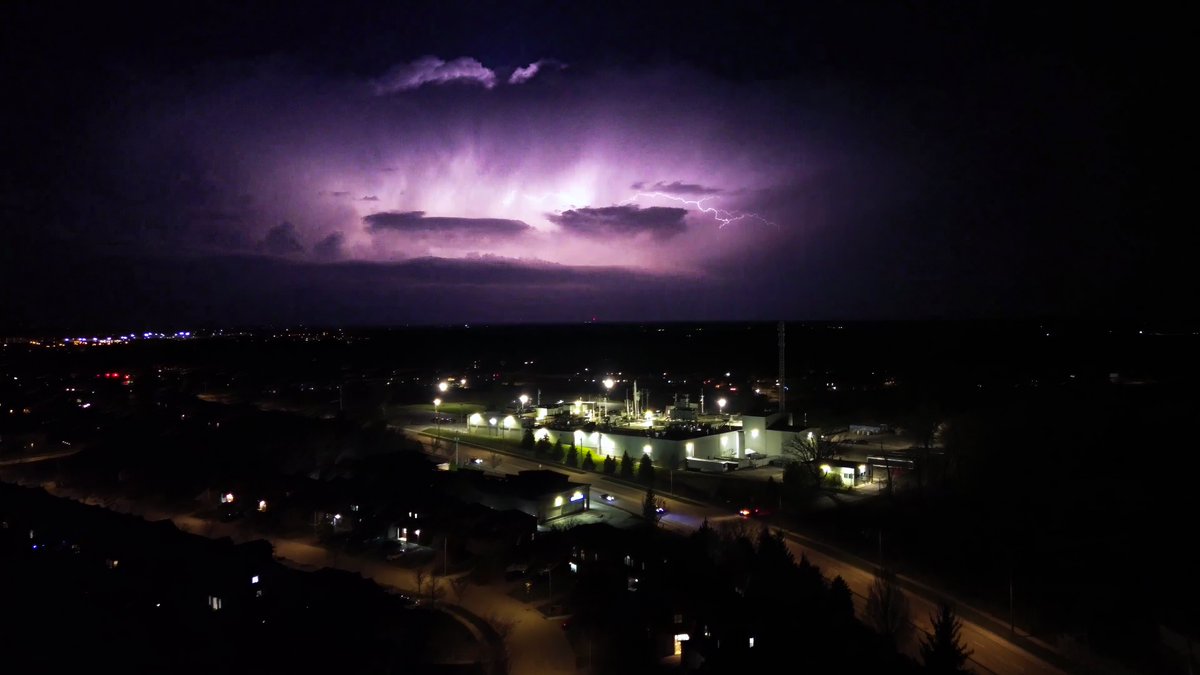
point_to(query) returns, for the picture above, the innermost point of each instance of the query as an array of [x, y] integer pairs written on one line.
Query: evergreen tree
[[542, 448], [556, 452], [610, 465], [572, 457], [527, 440], [627, 468], [650, 507], [943, 652], [645, 472], [572, 445], [589, 464], [841, 601]]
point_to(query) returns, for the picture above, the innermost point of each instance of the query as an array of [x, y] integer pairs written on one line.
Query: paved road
[[994, 652]]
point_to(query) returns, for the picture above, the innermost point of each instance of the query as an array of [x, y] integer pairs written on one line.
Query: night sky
[[353, 163]]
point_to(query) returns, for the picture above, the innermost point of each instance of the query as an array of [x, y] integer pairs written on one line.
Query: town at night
[[480, 338]]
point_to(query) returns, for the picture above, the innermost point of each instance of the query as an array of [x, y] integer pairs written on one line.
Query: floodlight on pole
[[523, 399], [442, 387]]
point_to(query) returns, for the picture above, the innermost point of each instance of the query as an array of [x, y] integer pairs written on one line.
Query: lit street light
[[442, 387], [721, 405], [523, 399]]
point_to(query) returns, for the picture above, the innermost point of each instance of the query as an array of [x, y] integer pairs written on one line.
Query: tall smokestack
[[782, 381]]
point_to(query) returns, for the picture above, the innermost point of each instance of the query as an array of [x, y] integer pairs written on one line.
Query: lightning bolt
[[722, 216]]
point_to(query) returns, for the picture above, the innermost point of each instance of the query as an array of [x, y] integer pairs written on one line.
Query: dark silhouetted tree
[[589, 464], [527, 440], [942, 651], [887, 609], [572, 458], [610, 465], [650, 507], [645, 472], [627, 468], [841, 600], [543, 448], [557, 454], [771, 493]]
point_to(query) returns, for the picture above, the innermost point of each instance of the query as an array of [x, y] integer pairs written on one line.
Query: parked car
[[608, 498], [477, 460]]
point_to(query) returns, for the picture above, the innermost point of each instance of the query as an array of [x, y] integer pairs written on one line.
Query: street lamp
[[442, 387], [721, 405], [523, 399], [492, 422]]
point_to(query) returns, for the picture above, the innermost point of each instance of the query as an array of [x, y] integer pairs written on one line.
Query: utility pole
[[445, 554]]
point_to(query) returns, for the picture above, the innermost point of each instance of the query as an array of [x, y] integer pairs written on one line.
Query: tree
[[542, 449], [650, 506], [459, 585], [527, 440], [809, 452], [572, 444], [610, 465], [645, 472], [841, 601], [437, 590], [942, 651], [589, 464], [627, 466], [771, 493], [887, 609], [572, 457], [556, 453]]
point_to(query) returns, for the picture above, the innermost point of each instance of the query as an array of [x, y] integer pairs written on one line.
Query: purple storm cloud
[[417, 221], [281, 240], [527, 73], [432, 70], [660, 222], [652, 172], [676, 188]]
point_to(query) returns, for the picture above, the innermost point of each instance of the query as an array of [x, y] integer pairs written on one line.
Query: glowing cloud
[[432, 70], [660, 222], [527, 73]]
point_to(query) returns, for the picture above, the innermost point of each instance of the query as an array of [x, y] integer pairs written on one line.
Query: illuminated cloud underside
[[600, 169]]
